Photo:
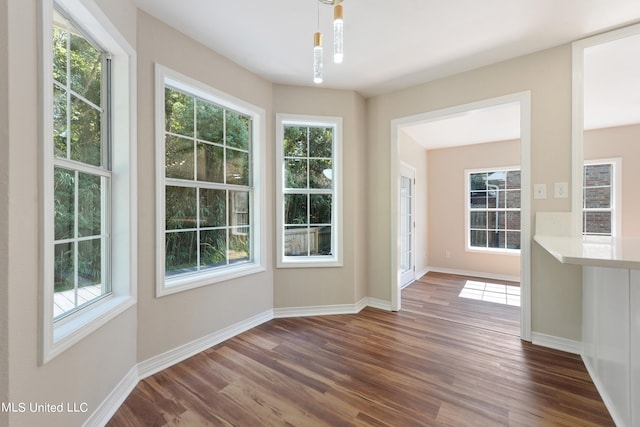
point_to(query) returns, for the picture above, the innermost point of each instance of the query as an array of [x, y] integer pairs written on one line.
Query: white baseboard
[[110, 405], [318, 310], [178, 354], [378, 303], [473, 274], [556, 343]]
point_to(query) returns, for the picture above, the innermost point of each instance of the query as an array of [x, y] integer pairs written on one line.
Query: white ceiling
[[389, 44]]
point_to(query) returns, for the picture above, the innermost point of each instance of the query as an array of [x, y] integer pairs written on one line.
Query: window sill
[[494, 251], [191, 281], [309, 262]]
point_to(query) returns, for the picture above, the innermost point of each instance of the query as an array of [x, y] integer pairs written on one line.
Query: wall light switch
[[561, 190], [539, 191]]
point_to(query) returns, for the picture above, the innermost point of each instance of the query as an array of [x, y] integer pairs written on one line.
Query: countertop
[[597, 251]]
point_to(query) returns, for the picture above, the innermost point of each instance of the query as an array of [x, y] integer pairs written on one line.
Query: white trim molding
[[556, 343]]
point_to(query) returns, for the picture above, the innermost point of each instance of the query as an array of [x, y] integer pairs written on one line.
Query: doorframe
[[411, 173], [524, 100]]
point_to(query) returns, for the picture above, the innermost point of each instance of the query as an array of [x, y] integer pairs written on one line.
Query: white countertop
[[598, 251]]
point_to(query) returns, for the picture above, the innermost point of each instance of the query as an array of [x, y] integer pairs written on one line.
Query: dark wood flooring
[[441, 361]]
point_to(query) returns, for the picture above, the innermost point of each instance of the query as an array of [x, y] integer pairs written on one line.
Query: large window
[[206, 157], [493, 210], [309, 198], [599, 198], [88, 173]]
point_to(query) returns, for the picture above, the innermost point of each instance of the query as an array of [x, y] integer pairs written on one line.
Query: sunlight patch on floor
[[491, 292]]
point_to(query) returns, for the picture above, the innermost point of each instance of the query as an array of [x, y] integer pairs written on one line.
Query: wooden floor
[[442, 360]]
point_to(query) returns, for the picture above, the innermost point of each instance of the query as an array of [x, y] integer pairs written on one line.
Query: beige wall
[[4, 211], [168, 322], [624, 142], [300, 287], [547, 75], [447, 206], [413, 154], [91, 369]]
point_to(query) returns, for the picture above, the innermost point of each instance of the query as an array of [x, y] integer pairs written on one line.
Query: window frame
[[467, 210], [166, 285], [336, 258], [59, 335], [616, 195]]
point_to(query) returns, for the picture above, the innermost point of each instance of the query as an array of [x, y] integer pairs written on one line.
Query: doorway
[[523, 102]]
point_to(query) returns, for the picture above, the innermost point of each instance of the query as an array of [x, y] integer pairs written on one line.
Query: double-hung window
[[208, 176], [309, 198], [88, 173], [599, 197], [493, 210]]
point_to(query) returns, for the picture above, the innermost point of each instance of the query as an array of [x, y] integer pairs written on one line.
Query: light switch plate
[[539, 191], [561, 190]]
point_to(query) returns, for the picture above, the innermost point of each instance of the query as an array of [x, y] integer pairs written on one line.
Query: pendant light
[[338, 32], [338, 40], [317, 58]]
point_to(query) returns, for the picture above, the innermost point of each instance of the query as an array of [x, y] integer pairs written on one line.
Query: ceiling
[[389, 44]]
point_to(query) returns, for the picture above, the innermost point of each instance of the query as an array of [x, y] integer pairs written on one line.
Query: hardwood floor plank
[[443, 360]]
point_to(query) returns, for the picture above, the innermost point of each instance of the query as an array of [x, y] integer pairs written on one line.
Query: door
[[407, 225]]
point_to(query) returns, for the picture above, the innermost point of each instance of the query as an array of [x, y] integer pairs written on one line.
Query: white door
[[407, 225]]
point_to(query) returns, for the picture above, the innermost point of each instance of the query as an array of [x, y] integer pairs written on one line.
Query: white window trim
[[168, 286], [616, 189], [467, 209], [56, 337], [336, 259]]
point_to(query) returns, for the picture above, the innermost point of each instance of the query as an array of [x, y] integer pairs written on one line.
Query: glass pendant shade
[[317, 58], [338, 34]]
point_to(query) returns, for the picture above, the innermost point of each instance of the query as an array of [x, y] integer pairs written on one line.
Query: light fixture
[[317, 58], [338, 39]]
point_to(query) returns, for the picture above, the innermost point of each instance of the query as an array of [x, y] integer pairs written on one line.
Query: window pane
[[213, 207], [496, 239], [513, 240], [295, 173], [320, 212], [478, 181], [237, 167], [85, 69], [86, 134], [237, 130], [597, 198], [178, 112], [90, 196], [63, 267], [478, 220], [478, 238], [513, 199], [478, 199], [296, 241], [59, 50], [239, 212], [178, 157], [513, 220], [320, 142], [89, 262], [324, 240], [180, 252], [295, 209], [180, 203], [210, 125], [64, 203], [513, 180], [295, 141], [210, 163], [59, 122], [320, 174], [597, 223], [213, 247], [597, 175], [239, 245], [496, 220]]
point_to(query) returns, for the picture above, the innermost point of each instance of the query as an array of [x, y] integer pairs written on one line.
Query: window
[[493, 210], [309, 199], [599, 197], [88, 173], [209, 204]]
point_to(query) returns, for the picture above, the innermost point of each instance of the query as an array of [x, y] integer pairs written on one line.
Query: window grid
[[309, 238], [598, 205], [234, 230], [494, 210], [80, 278]]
